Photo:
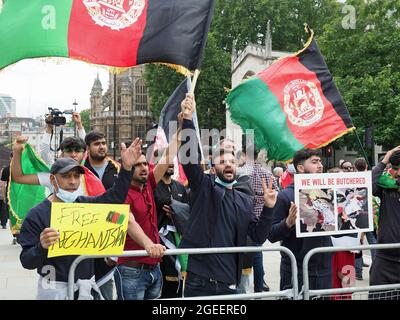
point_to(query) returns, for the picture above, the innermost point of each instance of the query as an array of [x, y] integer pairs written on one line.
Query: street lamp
[[75, 104]]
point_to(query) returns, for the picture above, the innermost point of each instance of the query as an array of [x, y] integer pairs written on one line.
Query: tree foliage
[[365, 65]]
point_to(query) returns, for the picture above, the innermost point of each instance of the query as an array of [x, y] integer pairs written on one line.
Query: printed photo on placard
[[333, 203]]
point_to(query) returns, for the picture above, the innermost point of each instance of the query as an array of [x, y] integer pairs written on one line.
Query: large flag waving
[[293, 104], [118, 33]]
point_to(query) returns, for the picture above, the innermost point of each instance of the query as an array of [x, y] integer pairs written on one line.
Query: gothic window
[[141, 95], [140, 131]]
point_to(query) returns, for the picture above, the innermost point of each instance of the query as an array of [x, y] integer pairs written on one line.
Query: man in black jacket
[[386, 265], [221, 216], [283, 229], [36, 235]]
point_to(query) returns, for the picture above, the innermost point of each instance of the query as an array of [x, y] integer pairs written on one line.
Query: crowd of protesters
[[230, 199]]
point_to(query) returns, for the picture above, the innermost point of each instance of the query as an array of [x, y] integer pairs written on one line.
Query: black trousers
[[382, 272], [3, 213]]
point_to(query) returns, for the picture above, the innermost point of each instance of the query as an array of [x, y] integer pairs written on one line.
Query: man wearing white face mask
[[36, 236]]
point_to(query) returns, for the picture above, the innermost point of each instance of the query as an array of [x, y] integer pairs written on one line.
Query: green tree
[[366, 68], [215, 76], [85, 114]]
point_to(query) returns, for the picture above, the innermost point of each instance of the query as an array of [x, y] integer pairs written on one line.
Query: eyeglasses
[[348, 168], [69, 150]]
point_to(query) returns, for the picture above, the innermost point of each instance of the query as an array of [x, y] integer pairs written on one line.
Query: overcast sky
[[39, 84]]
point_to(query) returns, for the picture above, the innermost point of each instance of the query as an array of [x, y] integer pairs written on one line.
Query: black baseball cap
[[64, 165]]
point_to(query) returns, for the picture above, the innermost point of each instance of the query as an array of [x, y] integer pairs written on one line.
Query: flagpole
[[362, 149], [194, 81]]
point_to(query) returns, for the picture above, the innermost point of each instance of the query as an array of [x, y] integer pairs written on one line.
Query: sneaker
[[265, 287]]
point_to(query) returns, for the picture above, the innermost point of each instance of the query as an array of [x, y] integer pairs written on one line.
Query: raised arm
[[189, 153], [119, 191], [17, 174], [168, 157]]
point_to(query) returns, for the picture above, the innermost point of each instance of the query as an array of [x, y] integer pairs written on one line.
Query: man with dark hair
[[360, 164], [386, 265], [37, 236], [221, 216], [139, 278], [102, 166], [283, 229]]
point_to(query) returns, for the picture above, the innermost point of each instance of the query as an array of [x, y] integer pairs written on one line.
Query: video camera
[[57, 119]]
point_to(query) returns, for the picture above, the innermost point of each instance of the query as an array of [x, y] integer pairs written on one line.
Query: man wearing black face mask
[[36, 235], [221, 216]]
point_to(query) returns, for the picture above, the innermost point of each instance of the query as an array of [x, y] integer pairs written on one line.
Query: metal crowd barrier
[[346, 291], [290, 293]]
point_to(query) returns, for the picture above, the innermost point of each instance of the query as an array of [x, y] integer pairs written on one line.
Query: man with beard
[[172, 267], [139, 278], [221, 215], [102, 166], [107, 171], [283, 229]]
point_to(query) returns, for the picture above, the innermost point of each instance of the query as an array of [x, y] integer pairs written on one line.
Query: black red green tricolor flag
[[293, 104], [118, 33]]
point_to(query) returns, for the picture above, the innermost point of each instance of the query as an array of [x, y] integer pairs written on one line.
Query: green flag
[[23, 197]]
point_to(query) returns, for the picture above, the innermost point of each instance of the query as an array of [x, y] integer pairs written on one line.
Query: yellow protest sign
[[86, 228]]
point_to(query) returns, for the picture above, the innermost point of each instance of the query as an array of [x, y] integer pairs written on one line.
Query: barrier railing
[[290, 293], [324, 292]]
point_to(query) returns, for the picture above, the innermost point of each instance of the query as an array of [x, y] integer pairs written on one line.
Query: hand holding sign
[[270, 195], [48, 237], [291, 219]]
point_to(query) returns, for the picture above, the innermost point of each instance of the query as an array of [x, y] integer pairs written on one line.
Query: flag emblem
[[303, 103], [115, 14]]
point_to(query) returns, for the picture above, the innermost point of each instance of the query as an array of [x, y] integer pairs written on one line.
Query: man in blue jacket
[[283, 229], [221, 216]]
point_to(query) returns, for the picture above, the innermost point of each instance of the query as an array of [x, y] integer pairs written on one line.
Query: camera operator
[[45, 151]]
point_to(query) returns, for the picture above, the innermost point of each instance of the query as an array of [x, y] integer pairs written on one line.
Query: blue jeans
[[258, 269], [136, 283], [359, 267], [371, 240]]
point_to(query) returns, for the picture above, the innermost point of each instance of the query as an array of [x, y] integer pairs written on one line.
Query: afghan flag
[[23, 197], [168, 124], [118, 33], [293, 104]]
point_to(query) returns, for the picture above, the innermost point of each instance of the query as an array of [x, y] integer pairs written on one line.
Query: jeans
[[137, 283], [359, 267], [371, 238], [197, 286], [258, 271]]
